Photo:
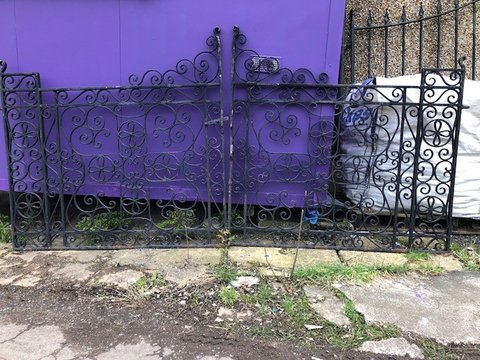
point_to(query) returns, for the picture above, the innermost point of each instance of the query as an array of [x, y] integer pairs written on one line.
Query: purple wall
[[100, 43]]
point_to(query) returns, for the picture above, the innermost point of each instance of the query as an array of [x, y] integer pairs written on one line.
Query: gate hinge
[[216, 121]]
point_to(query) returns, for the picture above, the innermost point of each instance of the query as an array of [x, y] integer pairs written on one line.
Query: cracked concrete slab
[[4, 252], [327, 305], [121, 279], [447, 262], [42, 342], [10, 331], [281, 258], [28, 281], [77, 272], [155, 259], [9, 280], [140, 351], [183, 276], [27, 256], [83, 256], [445, 308], [393, 347], [372, 258]]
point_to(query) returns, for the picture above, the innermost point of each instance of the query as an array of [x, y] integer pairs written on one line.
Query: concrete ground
[[37, 323]]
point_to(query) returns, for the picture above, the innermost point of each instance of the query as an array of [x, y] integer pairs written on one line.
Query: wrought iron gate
[[156, 163]]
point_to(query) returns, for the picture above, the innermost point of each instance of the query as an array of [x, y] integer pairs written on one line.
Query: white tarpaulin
[[372, 137]]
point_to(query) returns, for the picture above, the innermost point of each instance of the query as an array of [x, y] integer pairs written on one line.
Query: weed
[[469, 257], [196, 299], [359, 331], [433, 350], [5, 231], [149, 282], [259, 331], [115, 220], [416, 256], [297, 310], [428, 269], [326, 274], [225, 274], [225, 237], [263, 299], [228, 296], [178, 219], [140, 291]]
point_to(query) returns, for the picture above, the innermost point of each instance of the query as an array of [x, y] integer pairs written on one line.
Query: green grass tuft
[[326, 274], [469, 257], [178, 219], [433, 350], [225, 273], [149, 282], [416, 256], [228, 296], [5, 230]]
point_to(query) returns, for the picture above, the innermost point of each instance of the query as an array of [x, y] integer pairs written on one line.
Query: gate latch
[[216, 121]]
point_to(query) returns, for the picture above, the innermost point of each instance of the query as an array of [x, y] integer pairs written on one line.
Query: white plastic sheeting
[[371, 137]]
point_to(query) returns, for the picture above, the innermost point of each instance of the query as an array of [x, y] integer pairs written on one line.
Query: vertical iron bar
[[352, 47], [236, 33], [60, 168], [416, 157], [386, 21], [474, 46], [455, 135], [245, 165], [222, 124], [421, 14], [207, 160], [404, 48], [439, 31], [8, 151], [456, 4], [369, 44], [399, 170], [41, 131]]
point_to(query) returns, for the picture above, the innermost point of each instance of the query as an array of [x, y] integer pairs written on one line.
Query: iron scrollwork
[[372, 166], [135, 165], [146, 164]]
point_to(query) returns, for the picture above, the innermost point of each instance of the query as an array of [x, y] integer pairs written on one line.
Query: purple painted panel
[[70, 43], [98, 43]]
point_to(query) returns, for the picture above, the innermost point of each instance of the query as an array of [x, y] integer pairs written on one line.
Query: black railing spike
[[421, 11], [439, 6], [386, 17], [3, 66], [369, 18], [403, 18]]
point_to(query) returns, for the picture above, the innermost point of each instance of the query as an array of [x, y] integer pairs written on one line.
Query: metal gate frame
[[81, 167], [233, 189]]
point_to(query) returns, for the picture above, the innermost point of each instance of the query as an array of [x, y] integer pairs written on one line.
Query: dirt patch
[[92, 322]]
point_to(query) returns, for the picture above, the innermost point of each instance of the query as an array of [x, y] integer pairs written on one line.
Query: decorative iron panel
[[126, 166], [371, 166]]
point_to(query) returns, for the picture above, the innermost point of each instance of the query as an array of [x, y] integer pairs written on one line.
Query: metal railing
[[157, 164], [384, 47]]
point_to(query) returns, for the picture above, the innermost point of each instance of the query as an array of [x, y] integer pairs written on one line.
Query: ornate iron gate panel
[[301, 162], [372, 166], [136, 165]]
